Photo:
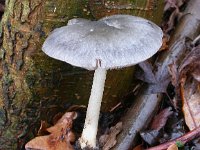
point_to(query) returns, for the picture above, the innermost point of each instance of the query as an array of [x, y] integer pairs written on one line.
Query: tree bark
[[34, 86], [31, 81]]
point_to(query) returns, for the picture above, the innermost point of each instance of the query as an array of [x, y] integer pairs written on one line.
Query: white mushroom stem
[[89, 133]]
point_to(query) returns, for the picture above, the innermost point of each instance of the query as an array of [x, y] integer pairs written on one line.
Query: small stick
[[183, 139], [116, 106]]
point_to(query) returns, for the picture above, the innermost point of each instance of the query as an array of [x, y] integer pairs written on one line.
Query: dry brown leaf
[[57, 116], [76, 107], [189, 88], [191, 105], [160, 119], [60, 137], [107, 141], [191, 65], [172, 147], [70, 109], [165, 41], [172, 68], [49, 143], [138, 147], [43, 129]]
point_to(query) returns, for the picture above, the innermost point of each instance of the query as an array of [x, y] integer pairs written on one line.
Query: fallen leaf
[[70, 109], [173, 71], [146, 74], [150, 136], [189, 78], [191, 65], [172, 147], [43, 129], [160, 119], [48, 143], [60, 137], [159, 78], [196, 143], [138, 147], [156, 81], [108, 140], [165, 41], [57, 116], [191, 104], [76, 107]]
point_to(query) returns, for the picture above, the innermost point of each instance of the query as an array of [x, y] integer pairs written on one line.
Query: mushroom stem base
[[88, 138]]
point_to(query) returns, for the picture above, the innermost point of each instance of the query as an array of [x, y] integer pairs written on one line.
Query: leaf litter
[[153, 135], [60, 137], [189, 76], [185, 78], [108, 140]]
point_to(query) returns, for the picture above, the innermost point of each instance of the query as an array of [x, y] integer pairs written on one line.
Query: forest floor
[[175, 118]]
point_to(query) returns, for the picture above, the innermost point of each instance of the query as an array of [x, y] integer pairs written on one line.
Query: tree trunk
[[34, 86]]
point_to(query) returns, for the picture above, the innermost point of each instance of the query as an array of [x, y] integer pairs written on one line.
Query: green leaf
[[179, 144]]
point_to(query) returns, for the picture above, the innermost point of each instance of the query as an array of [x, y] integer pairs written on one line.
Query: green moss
[[7, 80], [2, 53], [26, 10], [179, 144], [30, 79], [2, 117], [8, 10]]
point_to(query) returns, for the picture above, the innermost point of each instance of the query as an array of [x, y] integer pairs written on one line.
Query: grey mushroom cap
[[116, 41]]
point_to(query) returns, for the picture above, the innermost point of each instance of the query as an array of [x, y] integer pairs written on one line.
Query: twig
[[196, 40], [183, 139]]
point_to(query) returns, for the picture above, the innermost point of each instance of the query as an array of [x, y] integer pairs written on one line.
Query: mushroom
[[112, 42]]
